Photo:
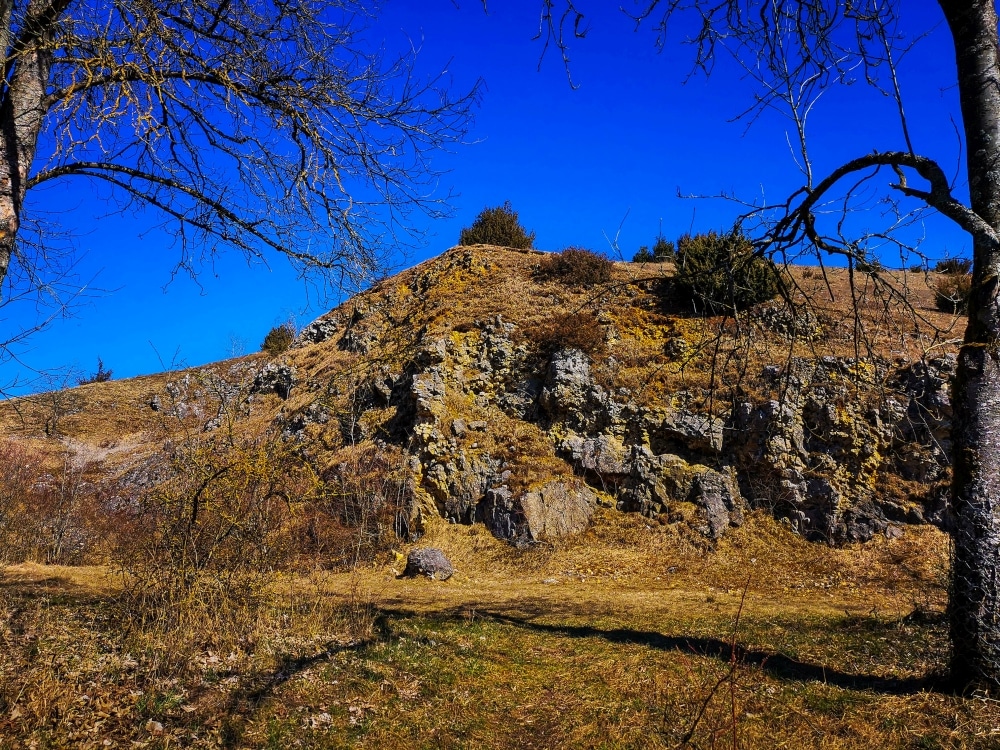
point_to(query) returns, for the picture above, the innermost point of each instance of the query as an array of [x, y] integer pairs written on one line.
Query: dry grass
[[625, 637]]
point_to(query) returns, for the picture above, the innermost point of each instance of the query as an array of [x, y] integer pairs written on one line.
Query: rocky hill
[[478, 388]]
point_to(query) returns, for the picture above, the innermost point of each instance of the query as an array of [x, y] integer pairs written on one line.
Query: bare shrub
[[20, 531], [205, 538], [572, 330], [360, 510], [951, 293], [577, 266], [48, 513], [64, 505]]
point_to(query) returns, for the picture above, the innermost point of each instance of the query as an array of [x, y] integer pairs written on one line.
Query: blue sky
[[583, 165]]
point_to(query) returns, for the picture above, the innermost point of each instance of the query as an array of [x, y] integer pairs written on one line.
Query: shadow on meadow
[[917, 627]]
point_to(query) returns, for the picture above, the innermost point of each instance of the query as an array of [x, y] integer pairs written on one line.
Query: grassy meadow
[[633, 636]]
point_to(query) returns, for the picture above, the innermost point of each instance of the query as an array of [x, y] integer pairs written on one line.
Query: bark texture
[[975, 583], [28, 65]]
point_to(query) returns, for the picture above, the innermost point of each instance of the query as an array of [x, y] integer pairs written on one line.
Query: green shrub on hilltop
[[497, 226], [721, 272], [279, 339], [662, 251]]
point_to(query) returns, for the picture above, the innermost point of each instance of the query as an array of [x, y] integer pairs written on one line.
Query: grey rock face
[[319, 330], [812, 455], [503, 516], [604, 454], [556, 510], [314, 413], [816, 456], [274, 377], [571, 397], [694, 431], [657, 483], [924, 421], [718, 502], [795, 324], [430, 562], [428, 392], [356, 338]]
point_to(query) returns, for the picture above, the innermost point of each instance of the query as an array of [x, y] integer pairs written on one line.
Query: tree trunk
[[974, 608], [22, 110]]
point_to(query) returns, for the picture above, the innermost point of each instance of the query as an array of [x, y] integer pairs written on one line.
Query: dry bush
[[576, 266], [20, 533], [204, 539], [951, 293], [51, 515], [572, 330], [362, 507], [65, 502]]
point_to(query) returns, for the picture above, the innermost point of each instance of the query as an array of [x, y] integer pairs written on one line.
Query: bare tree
[[255, 125], [793, 51]]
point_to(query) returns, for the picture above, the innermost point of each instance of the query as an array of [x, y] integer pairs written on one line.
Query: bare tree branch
[[259, 126]]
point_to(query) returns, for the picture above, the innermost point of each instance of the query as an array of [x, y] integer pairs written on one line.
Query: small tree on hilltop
[[279, 339], [643, 255], [100, 376], [663, 250], [497, 226]]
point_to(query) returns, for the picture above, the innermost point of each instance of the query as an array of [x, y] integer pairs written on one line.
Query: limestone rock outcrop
[[528, 440]]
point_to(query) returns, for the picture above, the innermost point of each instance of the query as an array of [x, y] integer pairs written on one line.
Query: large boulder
[[430, 562]]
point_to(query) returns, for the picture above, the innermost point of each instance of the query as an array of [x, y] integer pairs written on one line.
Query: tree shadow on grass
[[771, 662], [60, 589], [287, 668], [243, 703]]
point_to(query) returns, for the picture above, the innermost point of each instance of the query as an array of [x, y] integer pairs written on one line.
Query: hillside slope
[[475, 388]]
